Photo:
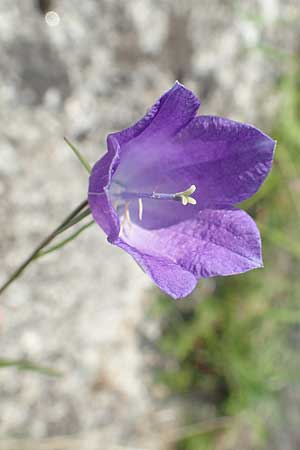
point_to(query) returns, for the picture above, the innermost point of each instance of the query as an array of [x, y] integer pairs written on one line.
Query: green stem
[[65, 241], [24, 364], [77, 219], [43, 244], [79, 155]]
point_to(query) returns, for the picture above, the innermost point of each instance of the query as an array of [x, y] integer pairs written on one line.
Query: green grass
[[233, 342]]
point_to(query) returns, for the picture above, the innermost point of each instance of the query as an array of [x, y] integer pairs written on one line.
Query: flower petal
[[167, 275], [215, 242], [227, 161], [230, 160], [99, 200], [139, 144], [172, 111]]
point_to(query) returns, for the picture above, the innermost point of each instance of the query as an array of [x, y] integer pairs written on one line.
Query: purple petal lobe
[[172, 111], [99, 200], [166, 274], [142, 143], [227, 161], [215, 242]]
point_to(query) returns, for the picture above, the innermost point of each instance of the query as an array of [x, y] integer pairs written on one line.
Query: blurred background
[[92, 356]]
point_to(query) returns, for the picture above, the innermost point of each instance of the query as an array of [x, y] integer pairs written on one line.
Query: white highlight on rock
[[52, 19]]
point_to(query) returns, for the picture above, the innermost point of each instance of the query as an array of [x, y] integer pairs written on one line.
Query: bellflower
[[166, 190]]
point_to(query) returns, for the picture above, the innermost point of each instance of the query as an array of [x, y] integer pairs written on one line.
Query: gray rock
[[80, 310]]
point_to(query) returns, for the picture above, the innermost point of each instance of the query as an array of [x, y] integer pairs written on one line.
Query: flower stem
[[76, 219], [43, 244], [65, 241]]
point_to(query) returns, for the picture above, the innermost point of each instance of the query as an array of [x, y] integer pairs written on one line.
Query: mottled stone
[[80, 310]]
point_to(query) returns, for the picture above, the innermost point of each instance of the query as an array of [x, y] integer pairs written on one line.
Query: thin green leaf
[[42, 245], [65, 241], [76, 219], [79, 155], [23, 364]]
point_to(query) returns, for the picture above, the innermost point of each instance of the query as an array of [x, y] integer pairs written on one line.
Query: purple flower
[[166, 188]]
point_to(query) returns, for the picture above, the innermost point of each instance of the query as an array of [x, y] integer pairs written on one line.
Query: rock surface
[[96, 67]]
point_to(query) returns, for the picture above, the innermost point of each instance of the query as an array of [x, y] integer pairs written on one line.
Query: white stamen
[[125, 218], [127, 214], [140, 209]]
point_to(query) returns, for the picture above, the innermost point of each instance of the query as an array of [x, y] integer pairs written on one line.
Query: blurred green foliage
[[23, 364], [233, 343]]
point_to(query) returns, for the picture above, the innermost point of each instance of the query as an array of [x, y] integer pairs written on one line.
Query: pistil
[[184, 197]]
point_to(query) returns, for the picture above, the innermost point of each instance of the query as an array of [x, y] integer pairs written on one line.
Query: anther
[[185, 196]]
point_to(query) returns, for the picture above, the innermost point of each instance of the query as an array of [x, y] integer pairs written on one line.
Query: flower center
[[184, 197]]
